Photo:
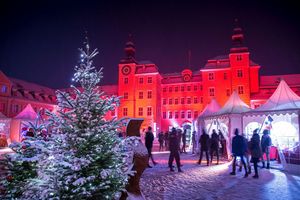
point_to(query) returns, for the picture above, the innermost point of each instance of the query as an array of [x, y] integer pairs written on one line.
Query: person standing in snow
[[266, 143], [214, 146], [255, 150], [239, 148], [204, 140], [174, 150], [149, 138], [166, 138], [194, 142], [183, 141], [161, 141]]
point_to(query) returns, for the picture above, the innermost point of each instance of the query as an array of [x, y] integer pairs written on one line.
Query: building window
[[141, 95], [170, 101], [182, 88], [4, 89], [176, 101], [195, 87], [211, 76], [195, 100], [170, 89], [239, 73], [239, 57], [140, 111], [170, 115], [225, 76], [2, 107], [164, 115], [182, 100], [125, 111], [176, 88], [164, 89], [228, 92], [201, 87], [195, 114], [125, 95], [149, 94], [241, 89], [112, 113], [201, 99], [188, 88], [188, 100], [189, 114], [149, 111], [141, 80], [176, 114], [125, 80], [149, 80], [164, 101], [182, 114], [211, 92]]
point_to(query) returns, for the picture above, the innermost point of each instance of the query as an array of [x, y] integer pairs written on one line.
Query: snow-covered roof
[[27, 113], [234, 105], [211, 108], [284, 98]]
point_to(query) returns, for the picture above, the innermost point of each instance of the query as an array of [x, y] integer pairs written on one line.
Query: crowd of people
[[251, 151]]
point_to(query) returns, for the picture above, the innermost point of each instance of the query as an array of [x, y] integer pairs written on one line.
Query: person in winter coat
[[166, 138], [239, 148], [204, 139], [266, 143], [255, 151], [149, 137], [179, 137], [161, 140], [223, 144], [214, 146], [183, 141], [174, 150], [194, 142]]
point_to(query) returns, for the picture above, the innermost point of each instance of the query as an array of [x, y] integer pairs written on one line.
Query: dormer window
[[3, 89]]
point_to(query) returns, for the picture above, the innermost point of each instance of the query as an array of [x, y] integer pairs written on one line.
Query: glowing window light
[[284, 135]]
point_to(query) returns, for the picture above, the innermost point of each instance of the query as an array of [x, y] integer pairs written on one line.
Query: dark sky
[[39, 39]]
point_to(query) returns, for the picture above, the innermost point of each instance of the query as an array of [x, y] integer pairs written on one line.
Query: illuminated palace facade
[[164, 100], [176, 99]]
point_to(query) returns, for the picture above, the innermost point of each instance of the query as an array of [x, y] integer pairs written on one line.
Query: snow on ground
[[214, 182]]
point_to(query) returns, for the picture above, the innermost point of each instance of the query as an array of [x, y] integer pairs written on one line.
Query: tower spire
[[129, 51], [237, 39]]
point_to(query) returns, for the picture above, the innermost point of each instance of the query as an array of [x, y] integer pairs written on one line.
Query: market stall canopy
[[234, 105], [27, 113], [284, 98], [211, 108]]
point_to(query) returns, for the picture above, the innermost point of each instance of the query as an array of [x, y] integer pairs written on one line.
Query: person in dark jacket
[[204, 139], [266, 143], [161, 141], [183, 141], [255, 150], [214, 146], [223, 144], [194, 142], [166, 138], [149, 137], [179, 137], [174, 150], [239, 148]]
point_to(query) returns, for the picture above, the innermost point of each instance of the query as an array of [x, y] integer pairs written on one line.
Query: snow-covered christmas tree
[[83, 158]]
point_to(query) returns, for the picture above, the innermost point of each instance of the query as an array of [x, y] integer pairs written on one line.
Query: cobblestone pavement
[[214, 182]]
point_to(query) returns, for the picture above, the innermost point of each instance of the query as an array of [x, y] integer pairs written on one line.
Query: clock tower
[[126, 89]]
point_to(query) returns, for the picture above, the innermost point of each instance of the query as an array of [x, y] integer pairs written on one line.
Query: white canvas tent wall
[[4, 126], [26, 115], [229, 117], [283, 107]]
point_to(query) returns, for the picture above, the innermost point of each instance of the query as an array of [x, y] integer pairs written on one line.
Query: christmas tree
[[84, 157]]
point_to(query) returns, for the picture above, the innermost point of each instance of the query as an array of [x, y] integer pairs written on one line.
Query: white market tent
[[4, 129], [280, 114], [26, 115], [228, 118]]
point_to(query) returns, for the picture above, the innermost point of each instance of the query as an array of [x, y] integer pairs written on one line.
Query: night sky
[[39, 39]]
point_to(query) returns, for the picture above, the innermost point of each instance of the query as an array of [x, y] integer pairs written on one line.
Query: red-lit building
[[165, 100]]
